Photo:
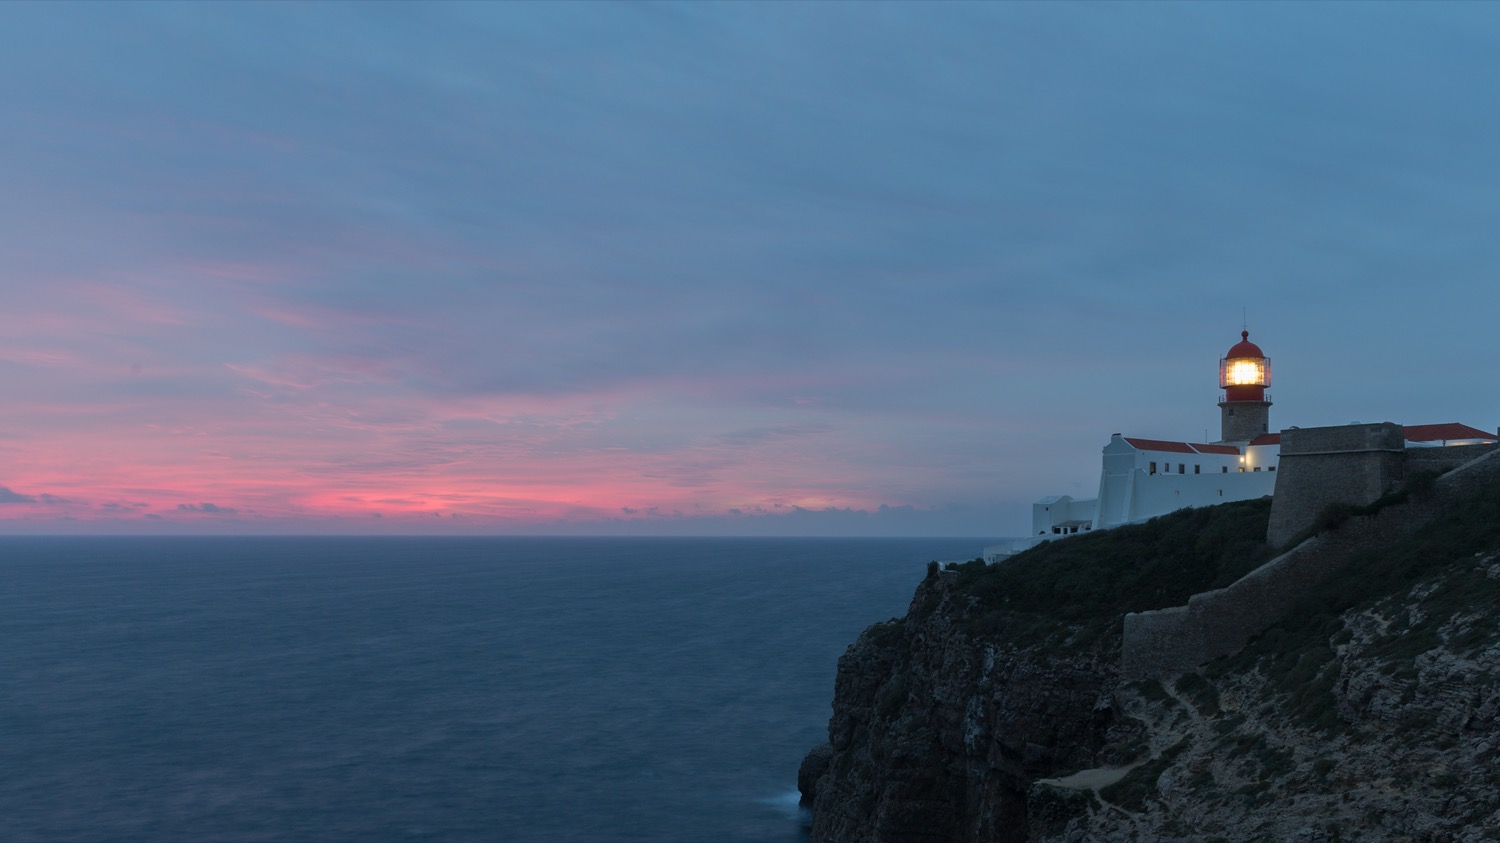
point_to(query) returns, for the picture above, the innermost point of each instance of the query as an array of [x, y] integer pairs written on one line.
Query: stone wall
[[1443, 459], [1241, 421], [1353, 464], [1165, 642]]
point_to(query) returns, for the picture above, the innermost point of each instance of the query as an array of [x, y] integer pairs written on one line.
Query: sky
[[714, 268]]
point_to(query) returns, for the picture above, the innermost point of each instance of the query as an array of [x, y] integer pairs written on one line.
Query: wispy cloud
[[210, 508], [8, 496], [801, 267]]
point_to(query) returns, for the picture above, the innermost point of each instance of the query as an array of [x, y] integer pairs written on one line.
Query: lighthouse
[[1141, 478], [1245, 407]]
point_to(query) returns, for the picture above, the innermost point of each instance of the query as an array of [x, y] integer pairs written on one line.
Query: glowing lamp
[[1245, 371], [1244, 375]]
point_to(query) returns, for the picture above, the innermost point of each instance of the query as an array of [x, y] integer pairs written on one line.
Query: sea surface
[[393, 689]]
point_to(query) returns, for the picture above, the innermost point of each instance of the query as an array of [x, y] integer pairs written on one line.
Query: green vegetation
[[1151, 690], [1074, 592], [1060, 806], [1324, 768], [891, 697], [1436, 568], [1139, 784], [1202, 692], [1419, 485], [887, 634]]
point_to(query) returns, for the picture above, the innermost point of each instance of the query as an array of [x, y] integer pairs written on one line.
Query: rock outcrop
[[995, 709], [936, 733]]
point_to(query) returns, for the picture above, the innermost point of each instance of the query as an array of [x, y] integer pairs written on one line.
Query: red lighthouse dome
[[1244, 372], [1245, 348]]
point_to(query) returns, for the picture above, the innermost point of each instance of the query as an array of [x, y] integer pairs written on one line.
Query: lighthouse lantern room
[[1245, 408]]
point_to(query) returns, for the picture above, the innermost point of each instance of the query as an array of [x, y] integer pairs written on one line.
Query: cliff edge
[[995, 709]]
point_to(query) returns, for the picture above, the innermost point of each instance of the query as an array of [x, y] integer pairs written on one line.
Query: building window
[[1257, 468], [1242, 469], [1272, 468], [1153, 468], [1181, 469], [1223, 469], [1197, 469], [1221, 493]]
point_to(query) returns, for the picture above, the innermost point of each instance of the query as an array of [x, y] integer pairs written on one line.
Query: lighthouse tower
[[1245, 408]]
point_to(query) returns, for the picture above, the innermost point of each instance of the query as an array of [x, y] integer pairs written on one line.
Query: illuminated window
[[1244, 372]]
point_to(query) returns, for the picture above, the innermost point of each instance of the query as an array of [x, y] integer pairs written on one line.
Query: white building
[[1143, 478]]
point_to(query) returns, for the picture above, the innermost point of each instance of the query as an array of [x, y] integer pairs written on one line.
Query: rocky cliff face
[[937, 733], [1372, 713]]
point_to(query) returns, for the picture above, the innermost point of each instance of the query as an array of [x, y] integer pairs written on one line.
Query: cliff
[[995, 710]]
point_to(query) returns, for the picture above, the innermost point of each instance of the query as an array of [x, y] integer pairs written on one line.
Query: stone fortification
[[1216, 623], [1443, 459], [1353, 464], [974, 719]]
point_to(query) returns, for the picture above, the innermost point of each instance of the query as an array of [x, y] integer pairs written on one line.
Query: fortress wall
[[1443, 459], [1231, 616], [1323, 465], [1216, 623], [1161, 638]]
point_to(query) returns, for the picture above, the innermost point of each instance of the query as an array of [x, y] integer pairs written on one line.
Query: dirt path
[[1095, 778], [1101, 777]]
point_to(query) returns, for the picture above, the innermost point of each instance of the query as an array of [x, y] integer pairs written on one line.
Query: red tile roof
[[1451, 430], [1180, 447], [1160, 445], [1414, 433]]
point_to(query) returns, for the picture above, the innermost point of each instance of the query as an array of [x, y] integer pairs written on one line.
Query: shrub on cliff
[[1437, 586], [1075, 591]]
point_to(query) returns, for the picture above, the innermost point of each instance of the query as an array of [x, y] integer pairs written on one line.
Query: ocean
[[577, 690]]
